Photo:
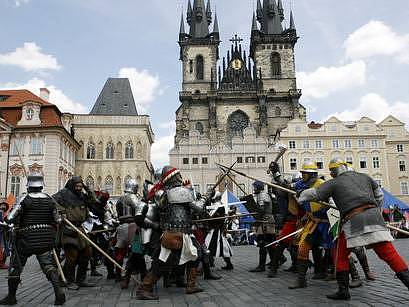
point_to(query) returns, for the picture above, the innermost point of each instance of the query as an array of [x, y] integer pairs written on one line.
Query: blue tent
[[246, 220], [392, 201]]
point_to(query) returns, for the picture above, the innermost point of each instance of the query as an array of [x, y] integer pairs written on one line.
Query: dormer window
[[29, 114]]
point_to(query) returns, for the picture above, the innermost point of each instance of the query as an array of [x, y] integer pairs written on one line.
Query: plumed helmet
[[131, 186], [309, 167], [337, 166], [258, 186], [35, 180]]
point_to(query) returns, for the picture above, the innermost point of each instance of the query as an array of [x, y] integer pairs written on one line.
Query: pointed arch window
[[90, 183], [109, 184], [199, 67], [237, 122], [275, 64], [129, 150], [109, 151], [91, 151]]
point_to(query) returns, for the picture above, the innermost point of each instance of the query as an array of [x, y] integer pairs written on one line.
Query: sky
[[352, 58]]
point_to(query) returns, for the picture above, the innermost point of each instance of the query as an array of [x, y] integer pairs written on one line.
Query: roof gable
[[16, 98], [391, 121]]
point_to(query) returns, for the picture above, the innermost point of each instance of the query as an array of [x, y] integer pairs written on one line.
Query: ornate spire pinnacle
[[259, 11], [216, 24], [189, 13], [182, 25], [280, 10], [208, 12], [254, 26], [199, 25], [292, 23]]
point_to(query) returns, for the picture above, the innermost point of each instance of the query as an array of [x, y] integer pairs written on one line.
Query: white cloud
[[20, 2], [168, 125], [57, 96], [145, 87], [376, 107], [326, 80], [376, 38], [30, 58], [160, 150]]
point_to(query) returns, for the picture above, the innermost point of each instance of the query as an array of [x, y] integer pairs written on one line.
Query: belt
[[35, 227], [357, 211]]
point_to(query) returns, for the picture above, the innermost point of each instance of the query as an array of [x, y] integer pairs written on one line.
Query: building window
[[275, 64], [334, 128], [399, 147], [89, 182], [402, 166], [199, 127], [36, 146], [362, 162], [90, 151], [109, 185], [15, 185], [349, 160], [306, 144], [109, 154], [185, 160], [205, 160], [375, 162], [335, 144], [297, 129], [237, 122], [17, 147], [348, 144], [293, 164], [404, 188], [199, 67], [129, 150], [361, 143], [375, 144], [250, 160], [291, 144], [239, 159], [320, 163], [261, 159], [318, 144], [29, 114], [195, 161]]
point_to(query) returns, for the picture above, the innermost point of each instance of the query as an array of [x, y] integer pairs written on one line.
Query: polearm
[[92, 243], [226, 173], [223, 217], [274, 185], [398, 229], [57, 261], [286, 237]]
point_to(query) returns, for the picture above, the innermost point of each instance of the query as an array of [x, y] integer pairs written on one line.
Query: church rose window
[[237, 122], [199, 67]]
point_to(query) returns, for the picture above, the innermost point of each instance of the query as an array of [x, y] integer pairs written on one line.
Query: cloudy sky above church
[[352, 57]]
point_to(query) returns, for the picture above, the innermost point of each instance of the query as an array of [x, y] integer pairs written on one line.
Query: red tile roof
[[314, 125], [11, 108]]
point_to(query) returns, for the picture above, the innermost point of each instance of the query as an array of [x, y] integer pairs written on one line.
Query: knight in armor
[[75, 201], [265, 226], [216, 240], [177, 205], [359, 199], [35, 218]]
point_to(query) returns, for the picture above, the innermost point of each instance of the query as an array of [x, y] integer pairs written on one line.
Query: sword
[[286, 237], [223, 217]]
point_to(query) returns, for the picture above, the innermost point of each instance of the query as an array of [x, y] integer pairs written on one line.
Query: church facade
[[234, 108]]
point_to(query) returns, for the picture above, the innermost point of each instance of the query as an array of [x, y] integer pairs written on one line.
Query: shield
[[250, 204]]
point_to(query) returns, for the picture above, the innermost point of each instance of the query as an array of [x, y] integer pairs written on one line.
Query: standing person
[[265, 227], [3, 240], [359, 199], [178, 246], [36, 217], [74, 201]]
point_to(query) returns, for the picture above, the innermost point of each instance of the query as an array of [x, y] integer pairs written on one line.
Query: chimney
[[44, 94]]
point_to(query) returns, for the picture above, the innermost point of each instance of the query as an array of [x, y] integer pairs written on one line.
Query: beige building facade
[[115, 141]]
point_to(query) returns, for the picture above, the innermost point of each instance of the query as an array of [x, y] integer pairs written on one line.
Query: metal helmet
[[35, 180], [309, 167], [296, 177], [168, 172], [131, 186], [258, 186], [337, 166]]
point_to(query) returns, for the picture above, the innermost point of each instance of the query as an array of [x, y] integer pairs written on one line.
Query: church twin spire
[[270, 15]]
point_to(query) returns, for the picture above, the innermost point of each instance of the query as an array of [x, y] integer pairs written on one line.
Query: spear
[[223, 217], [287, 236], [60, 270]]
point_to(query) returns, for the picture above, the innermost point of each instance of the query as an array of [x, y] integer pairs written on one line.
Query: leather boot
[[125, 281], [208, 275], [59, 294], [10, 299], [229, 265], [191, 287], [146, 288], [404, 277], [343, 287], [356, 281], [262, 257], [302, 267], [275, 260], [363, 261], [3, 265], [293, 253]]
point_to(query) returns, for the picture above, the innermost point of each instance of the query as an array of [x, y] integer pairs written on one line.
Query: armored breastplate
[[38, 210]]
